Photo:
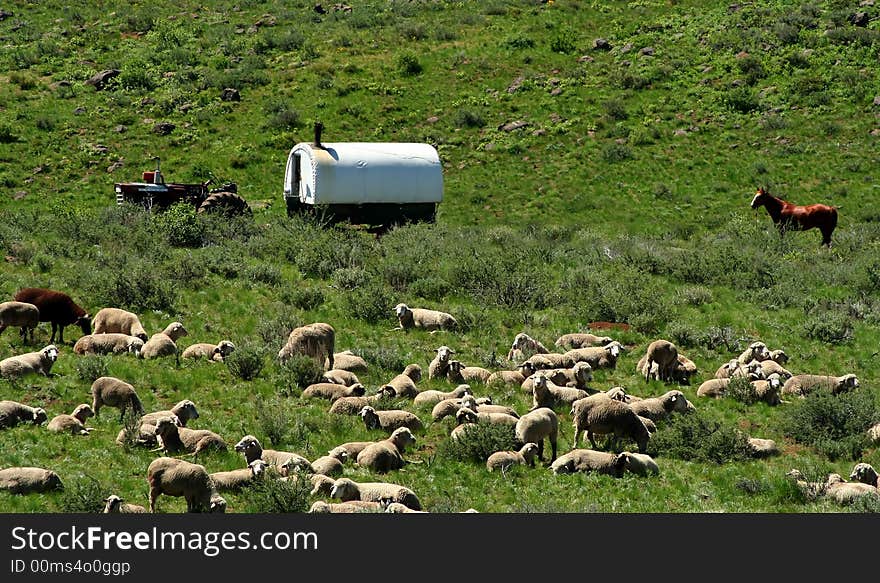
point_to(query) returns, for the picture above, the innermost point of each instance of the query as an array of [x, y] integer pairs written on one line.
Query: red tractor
[[155, 193]]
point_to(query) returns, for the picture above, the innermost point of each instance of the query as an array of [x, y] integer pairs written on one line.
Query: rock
[[513, 125], [164, 128], [517, 83], [4, 15], [742, 55], [875, 132], [432, 119], [115, 166], [120, 129], [647, 51], [265, 20], [626, 48], [859, 19], [539, 132], [601, 44], [19, 194], [147, 101], [60, 84], [230, 94], [79, 111], [585, 59], [680, 132], [99, 80], [556, 91]]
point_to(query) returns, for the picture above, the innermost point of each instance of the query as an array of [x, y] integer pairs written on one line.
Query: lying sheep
[[423, 319], [588, 460], [330, 465], [597, 356], [459, 373], [332, 391], [761, 448], [865, 474], [29, 480], [353, 405], [770, 367], [715, 388], [726, 370], [347, 360], [321, 485], [176, 477], [640, 464], [350, 507], [547, 394], [659, 408], [404, 384], [314, 340], [183, 411], [118, 321], [480, 406], [768, 390], [165, 342], [252, 450], [386, 455], [756, 351], [390, 420], [110, 343], [844, 492], [22, 314], [512, 377], [534, 426], [803, 384], [575, 377], [503, 460], [211, 352], [778, 356], [551, 360], [582, 340], [599, 414], [665, 354], [174, 439], [345, 489], [114, 392], [467, 415], [524, 346], [340, 377], [113, 504], [12, 413], [39, 362], [398, 508], [351, 449], [235, 480], [439, 366], [445, 408], [752, 371], [75, 423], [432, 397]]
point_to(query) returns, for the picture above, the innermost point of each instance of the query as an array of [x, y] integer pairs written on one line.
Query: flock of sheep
[[558, 382]]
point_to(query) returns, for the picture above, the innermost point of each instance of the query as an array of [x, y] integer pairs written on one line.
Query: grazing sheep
[[174, 439], [113, 504], [56, 307], [22, 314], [547, 394], [12, 413], [29, 480], [534, 426], [423, 319], [235, 480], [118, 321], [75, 423], [588, 460], [597, 356], [211, 352], [353, 405], [582, 340], [404, 384], [659, 408], [347, 360], [503, 460], [620, 394], [599, 414], [345, 489], [665, 354], [713, 388], [315, 340], [761, 448], [433, 397], [340, 377], [39, 362], [110, 343], [390, 420], [113, 392], [165, 342], [332, 391], [176, 477], [252, 450], [844, 492], [803, 384], [756, 351], [386, 455], [865, 474], [350, 507], [652, 428], [512, 377], [640, 464], [684, 369], [467, 415], [459, 373], [330, 465], [524, 346], [778, 356], [440, 364]]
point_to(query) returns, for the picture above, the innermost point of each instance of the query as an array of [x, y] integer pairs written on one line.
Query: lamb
[[459, 373], [75, 423], [352, 506], [588, 460], [165, 342], [439, 366], [176, 477], [761, 448], [12, 413], [235, 480], [345, 489], [332, 391], [114, 392], [844, 492], [113, 504], [174, 439], [39, 362], [386, 455], [524, 344], [803, 384], [347, 360], [423, 319], [56, 307], [29, 480], [756, 351], [665, 354], [212, 352], [433, 397], [110, 343], [512, 377], [598, 357], [353, 405], [547, 394], [599, 414], [865, 474], [252, 450], [467, 415], [640, 464], [582, 340], [340, 377], [503, 460], [315, 340], [390, 420], [330, 465], [119, 321], [534, 426], [22, 314], [404, 384], [658, 408]]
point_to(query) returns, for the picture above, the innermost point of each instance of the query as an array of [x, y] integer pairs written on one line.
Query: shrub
[[91, 367], [282, 116], [835, 425], [246, 362], [519, 41], [829, 326], [480, 442], [563, 41], [274, 330], [408, 64], [304, 298], [303, 371], [276, 496], [131, 429], [742, 390], [385, 358], [84, 494], [181, 226], [612, 153], [273, 419], [741, 100], [371, 303], [468, 118], [694, 437]]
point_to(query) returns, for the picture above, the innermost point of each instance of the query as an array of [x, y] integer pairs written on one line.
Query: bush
[[480, 442], [91, 367], [131, 429], [617, 153], [829, 326], [304, 298], [835, 425], [408, 64], [273, 419], [274, 330], [84, 494], [181, 225], [303, 371], [741, 100], [693, 437], [246, 362], [276, 496], [468, 118], [371, 303], [742, 390], [383, 357]]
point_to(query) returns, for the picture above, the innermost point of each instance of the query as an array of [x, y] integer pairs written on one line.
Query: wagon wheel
[[227, 202]]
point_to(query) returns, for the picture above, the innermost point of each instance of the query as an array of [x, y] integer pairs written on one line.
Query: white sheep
[[778, 356], [468, 415], [351, 449], [756, 351], [768, 390], [350, 507], [512, 377], [424, 319], [234, 480], [459, 373], [340, 377], [109, 343], [404, 384], [445, 408], [330, 465], [390, 420], [432, 397], [598, 356], [321, 485], [524, 346], [770, 367], [534, 426], [29, 480], [761, 448], [39, 362], [113, 504], [175, 439], [22, 314], [588, 460], [547, 394], [551, 360], [582, 340], [114, 392], [183, 411], [345, 489], [165, 342], [353, 405], [212, 352], [874, 434], [386, 455], [347, 360], [640, 464], [75, 423], [391, 507], [844, 492], [599, 414], [803, 384], [118, 321], [12, 413], [314, 340], [866, 474], [726, 370], [575, 377], [659, 408], [715, 388], [665, 354], [252, 450], [176, 477], [332, 391], [482, 406], [440, 363], [503, 460]]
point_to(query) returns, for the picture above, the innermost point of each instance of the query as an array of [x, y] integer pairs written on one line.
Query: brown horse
[[792, 217]]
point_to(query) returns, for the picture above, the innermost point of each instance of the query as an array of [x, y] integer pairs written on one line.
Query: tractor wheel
[[227, 202]]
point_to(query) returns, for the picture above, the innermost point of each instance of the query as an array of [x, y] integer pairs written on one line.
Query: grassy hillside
[[624, 199]]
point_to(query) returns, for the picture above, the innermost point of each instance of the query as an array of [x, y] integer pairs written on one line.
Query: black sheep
[[56, 307]]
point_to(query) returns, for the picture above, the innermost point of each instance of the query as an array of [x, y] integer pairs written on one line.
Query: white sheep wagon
[[364, 182]]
